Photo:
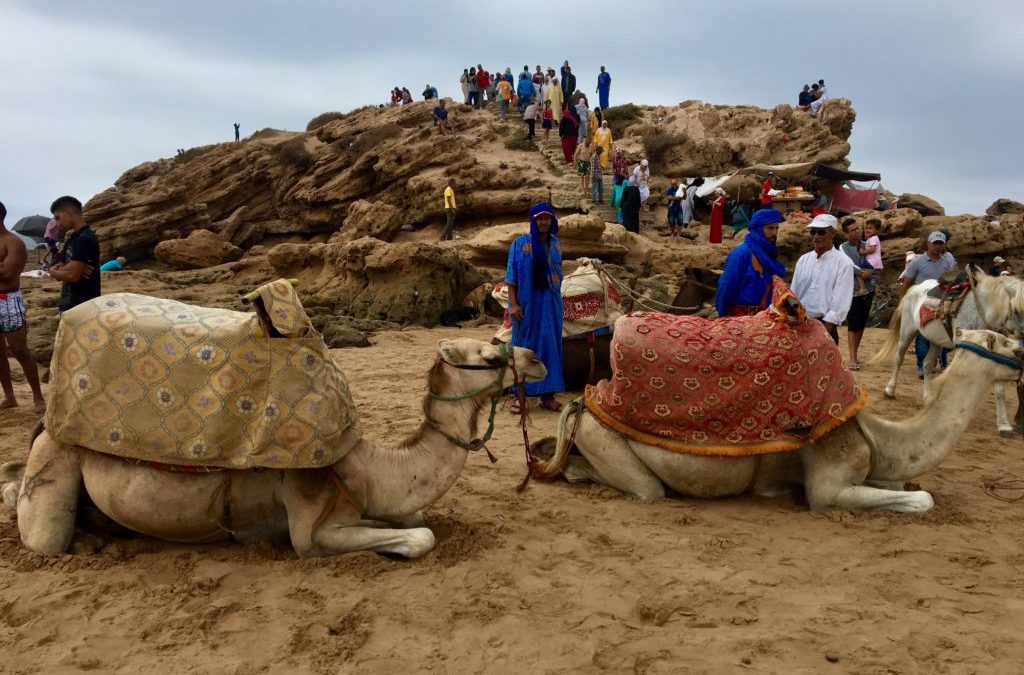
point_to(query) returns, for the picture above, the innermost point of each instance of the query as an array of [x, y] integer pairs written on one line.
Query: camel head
[[1004, 354], [470, 365]]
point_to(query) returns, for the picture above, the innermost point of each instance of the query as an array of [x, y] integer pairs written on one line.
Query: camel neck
[[913, 447], [401, 481]]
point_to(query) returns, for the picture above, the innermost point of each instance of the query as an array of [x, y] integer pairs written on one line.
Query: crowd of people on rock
[[812, 97]]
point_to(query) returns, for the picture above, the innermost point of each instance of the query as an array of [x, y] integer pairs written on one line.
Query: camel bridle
[[508, 361]]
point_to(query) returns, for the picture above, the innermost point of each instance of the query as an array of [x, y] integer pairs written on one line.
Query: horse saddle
[[953, 285]]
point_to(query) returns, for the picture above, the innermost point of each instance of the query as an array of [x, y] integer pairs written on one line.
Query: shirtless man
[[13, 321]]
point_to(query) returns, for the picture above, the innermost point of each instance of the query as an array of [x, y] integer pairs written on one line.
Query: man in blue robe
[[604, 86], [745, 286], [534, 279]]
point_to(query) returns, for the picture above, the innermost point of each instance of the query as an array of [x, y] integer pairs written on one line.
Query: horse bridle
[[508, 361]]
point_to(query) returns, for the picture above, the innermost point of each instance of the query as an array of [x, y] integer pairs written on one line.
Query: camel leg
[[834, 471], [1002, 421], [614, 463], [928, 366], [408, 543], [48, 500]]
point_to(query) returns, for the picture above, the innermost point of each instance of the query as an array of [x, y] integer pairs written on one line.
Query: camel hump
[[163, 381]]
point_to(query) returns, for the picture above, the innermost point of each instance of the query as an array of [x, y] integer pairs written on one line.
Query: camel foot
[[1006, 432], [888, 393], [418, 542], [914, 502]]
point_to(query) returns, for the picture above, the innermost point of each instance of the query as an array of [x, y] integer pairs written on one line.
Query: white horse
[[994, 303]]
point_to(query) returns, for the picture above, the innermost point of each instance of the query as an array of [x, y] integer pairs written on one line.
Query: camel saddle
[[165, 382], [734, 386], [944, 300]]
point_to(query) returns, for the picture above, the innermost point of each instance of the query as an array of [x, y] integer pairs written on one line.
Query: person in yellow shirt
[[449, 210], [603, 137]]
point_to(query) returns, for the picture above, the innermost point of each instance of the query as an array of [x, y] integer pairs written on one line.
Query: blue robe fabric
[[604, 85], [740, 283], [541, 327]]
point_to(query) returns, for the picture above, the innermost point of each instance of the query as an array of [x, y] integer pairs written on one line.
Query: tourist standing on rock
[[823, 277], [863, 292], [554, 95], [583, 115], [449, 211], [568, 82], [596, 177], [483, 80], [567, 130], [534, 279], [464, 85], [689, 201], [582, 156], [745, 287], [805, 98], [429, 93], [717, 216], [13, 318], [547, 119], [525, 91], [538, 77], [237, 132], [80, 257], [629, 204], [935, 262], [642, 179], [603, 137], [474, 89], [604, 86], [530, 117], [620, 166], [441, 117], [675, 197], [504, 97]]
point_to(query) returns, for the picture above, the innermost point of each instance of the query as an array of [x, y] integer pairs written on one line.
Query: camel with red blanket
[[762, 404]]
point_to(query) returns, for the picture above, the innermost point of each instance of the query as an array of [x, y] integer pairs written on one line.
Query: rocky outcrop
[[1003, 206], [926, 206], [405, 283], [200, 249], [581, 235]]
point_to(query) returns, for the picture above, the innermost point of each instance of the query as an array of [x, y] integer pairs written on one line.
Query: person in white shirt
[[823, 278]]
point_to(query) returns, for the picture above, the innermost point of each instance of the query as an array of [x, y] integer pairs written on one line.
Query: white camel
[[1001, 301], [860, 465], [369, 500]]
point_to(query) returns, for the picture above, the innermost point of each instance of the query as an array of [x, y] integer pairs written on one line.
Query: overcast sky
[[91, 88]]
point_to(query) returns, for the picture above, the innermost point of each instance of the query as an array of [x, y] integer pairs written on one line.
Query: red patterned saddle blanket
[[731, 387]]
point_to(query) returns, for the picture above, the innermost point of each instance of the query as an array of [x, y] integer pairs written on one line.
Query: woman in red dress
[[717, 211]]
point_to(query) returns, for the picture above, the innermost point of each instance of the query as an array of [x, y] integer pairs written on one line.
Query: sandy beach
[[556, 579]]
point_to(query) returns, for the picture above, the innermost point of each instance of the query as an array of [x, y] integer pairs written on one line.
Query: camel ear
[[450, 352]]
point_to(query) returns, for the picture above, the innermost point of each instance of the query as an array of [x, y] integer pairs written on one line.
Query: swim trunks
[[12, 311], [582, 167]]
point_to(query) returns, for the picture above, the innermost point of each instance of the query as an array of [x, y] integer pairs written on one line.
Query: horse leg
[[835, 469], [613, 463], [901, 352], [928, 365], [1018, 419], [48, 499], [1002, 421]]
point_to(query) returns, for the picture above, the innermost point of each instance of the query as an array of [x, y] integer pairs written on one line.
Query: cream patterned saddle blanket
[[163, 381]]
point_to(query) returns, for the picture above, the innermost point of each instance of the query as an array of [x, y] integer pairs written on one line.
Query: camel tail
[[893, 340], [553, 468]]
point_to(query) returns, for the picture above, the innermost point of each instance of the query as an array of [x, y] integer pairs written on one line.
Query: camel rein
[[990, 355], [638, 299], [507, 361]]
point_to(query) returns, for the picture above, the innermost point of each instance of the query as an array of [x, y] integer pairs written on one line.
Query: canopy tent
[[841, 175], [731, 181]]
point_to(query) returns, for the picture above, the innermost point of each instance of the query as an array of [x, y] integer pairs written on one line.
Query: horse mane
[[1005, 301]]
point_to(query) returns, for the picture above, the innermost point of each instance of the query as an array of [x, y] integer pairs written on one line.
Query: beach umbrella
[[32, 226]]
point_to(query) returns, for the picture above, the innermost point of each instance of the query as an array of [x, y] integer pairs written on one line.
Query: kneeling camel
[[860, 465], [369, 500]]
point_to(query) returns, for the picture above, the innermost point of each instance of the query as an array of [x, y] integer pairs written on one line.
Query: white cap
[[999, 260], [824, 220], [936, 236], [643, 162]]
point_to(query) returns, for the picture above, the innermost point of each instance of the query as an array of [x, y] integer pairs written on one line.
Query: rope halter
[[507, 361]]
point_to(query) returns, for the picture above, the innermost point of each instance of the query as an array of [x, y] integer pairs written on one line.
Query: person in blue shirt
[[604, 85], [534, 278], [115, 265], [745, 287], [525, 90], [805, 98]]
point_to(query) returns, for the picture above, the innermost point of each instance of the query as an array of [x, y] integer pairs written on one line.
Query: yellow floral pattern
[[163, 381]]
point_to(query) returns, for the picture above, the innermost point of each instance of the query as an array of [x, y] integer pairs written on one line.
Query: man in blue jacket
[[525, 91], [745, 287]]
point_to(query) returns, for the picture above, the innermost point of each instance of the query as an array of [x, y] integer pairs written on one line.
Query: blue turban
[[765, 217], [765, 251], [541, 266]]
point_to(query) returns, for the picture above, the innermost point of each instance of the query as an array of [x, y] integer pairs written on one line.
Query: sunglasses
[[819, 230]]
